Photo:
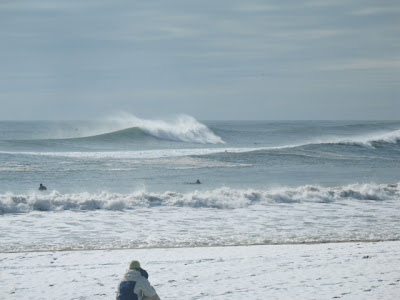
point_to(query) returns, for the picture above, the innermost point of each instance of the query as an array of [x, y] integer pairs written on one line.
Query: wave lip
[[222, 198], [183, 129], [369, 141]]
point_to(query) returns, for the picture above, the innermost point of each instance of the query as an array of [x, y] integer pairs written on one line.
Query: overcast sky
[[211, 59]]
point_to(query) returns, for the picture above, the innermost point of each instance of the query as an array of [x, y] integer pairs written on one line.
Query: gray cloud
[[225, 59]]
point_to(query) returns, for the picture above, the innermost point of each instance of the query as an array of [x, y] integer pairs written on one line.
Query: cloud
[[369, 11], [137, 53], [365, 64], [255, 7], [327, 3], [45, 6]]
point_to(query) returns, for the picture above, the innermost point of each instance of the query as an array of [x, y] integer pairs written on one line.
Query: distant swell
[[222, 198], [370, 142]]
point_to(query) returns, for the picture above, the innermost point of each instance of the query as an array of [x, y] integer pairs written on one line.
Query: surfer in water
[[42, 188], [196, 182]]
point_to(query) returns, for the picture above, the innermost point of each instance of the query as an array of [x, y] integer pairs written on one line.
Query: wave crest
[[183, 128], [370, 141], [222, 198]]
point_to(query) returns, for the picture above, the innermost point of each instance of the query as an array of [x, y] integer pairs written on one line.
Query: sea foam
[[222, 198]]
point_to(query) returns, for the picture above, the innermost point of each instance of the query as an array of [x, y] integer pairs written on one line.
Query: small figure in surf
[[42, 188], [134, 284], [196, 182]]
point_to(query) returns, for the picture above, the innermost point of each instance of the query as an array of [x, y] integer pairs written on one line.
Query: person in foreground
[[42, 187], [135, 286]]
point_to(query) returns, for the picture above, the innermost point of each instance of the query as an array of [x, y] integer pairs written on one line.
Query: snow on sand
[[303, 271]]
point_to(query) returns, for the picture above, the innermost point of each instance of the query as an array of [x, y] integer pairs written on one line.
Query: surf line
[[203, 246]]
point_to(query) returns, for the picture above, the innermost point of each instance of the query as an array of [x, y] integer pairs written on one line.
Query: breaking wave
[[222, 198], [371, 140], [182, 128]]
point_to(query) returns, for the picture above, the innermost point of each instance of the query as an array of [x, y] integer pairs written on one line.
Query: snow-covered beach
[[351, 270]]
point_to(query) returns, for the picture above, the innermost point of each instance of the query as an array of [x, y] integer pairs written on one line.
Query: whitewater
[[124, 184]]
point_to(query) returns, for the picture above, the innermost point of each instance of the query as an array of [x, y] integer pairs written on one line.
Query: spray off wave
[[183, 129], [222, 198]]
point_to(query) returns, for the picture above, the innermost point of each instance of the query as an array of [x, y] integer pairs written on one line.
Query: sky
[[211, 59]]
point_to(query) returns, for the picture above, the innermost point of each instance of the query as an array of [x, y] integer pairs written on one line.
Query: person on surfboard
[[42, 187]]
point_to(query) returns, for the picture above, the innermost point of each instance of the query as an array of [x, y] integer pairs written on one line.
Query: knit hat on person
[[134, 265]]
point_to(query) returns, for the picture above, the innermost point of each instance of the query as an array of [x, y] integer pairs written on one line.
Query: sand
[[354, 270]]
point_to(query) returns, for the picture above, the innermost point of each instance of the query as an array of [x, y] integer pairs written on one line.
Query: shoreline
[[206, 246]]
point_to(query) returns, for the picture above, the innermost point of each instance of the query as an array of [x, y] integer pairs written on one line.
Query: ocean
[[125, 182]]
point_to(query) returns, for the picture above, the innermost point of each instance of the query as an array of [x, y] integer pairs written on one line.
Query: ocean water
[[126, 182]]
